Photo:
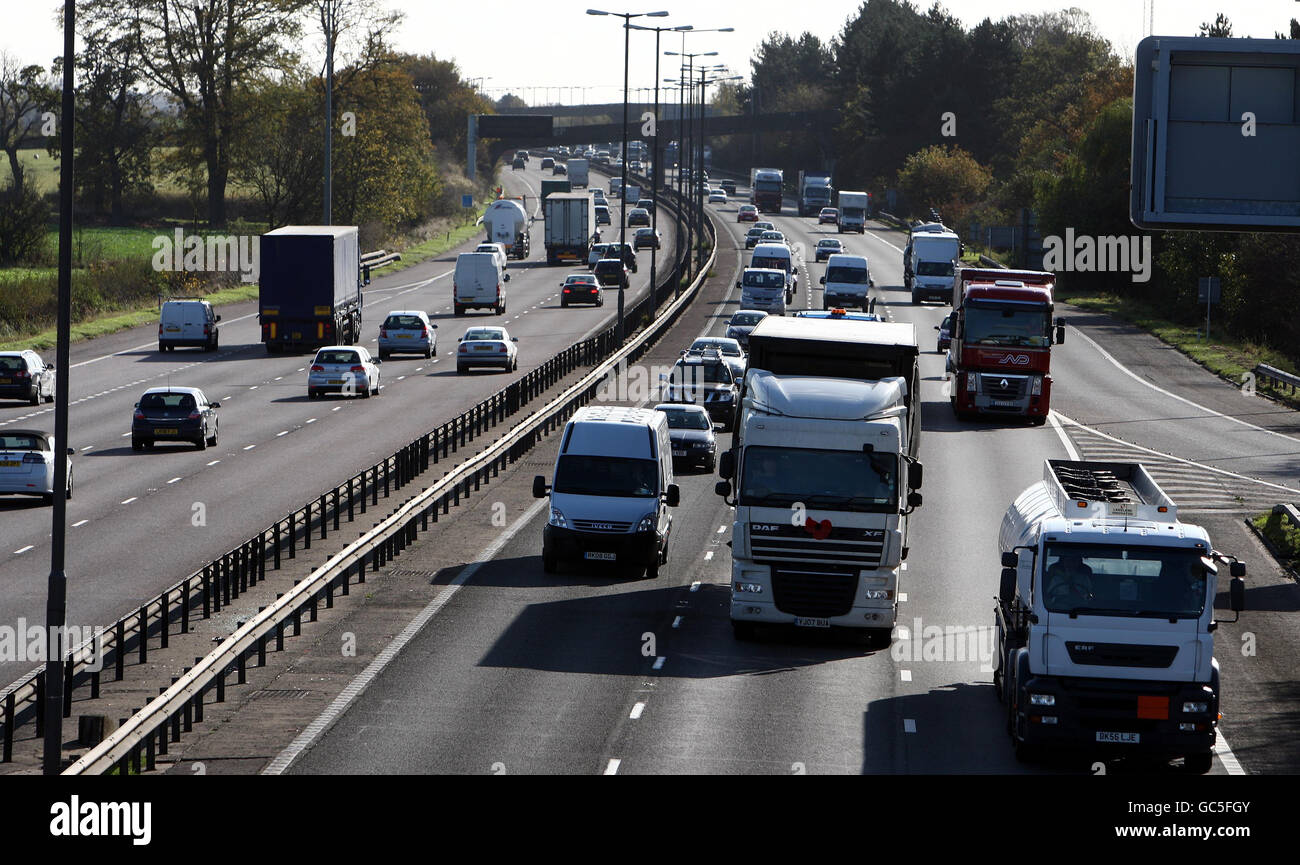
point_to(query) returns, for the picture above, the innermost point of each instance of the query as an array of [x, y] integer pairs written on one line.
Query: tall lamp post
[[687, 193], [622, 221], [700, 196]]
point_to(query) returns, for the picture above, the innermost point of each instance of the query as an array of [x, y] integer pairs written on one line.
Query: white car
[[346, 369], [717, 196], [27, 464], [24, 375], [487, 346], [729, 347], [497, 249]]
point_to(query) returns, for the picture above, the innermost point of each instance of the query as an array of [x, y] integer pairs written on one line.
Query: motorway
[[141, 521], [595, 672]]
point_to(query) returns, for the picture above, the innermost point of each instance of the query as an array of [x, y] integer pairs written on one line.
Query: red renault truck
[[1002, 336]]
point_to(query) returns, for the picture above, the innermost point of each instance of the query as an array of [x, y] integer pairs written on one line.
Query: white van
[[777, 256], [479, 283], [762, 288], [497, 249], [187, 322], [847, 279], [616, 186], [612, 490]]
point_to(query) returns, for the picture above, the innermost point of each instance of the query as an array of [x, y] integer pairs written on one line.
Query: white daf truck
[[1105, 618]]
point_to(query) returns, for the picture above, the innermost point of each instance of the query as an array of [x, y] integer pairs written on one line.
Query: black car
[[752, 237], [690, 429], [647, 238], [559, 169], [581, 288], [517, 164], [174, 414], [612, 273], [728, 186], [703, 378], [638, 216]]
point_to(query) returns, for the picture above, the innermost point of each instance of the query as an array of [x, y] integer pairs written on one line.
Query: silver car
[[346, 369], [742, 322], [407, 331], [25, 376], [27, 464], [487, 346], [729, 347]]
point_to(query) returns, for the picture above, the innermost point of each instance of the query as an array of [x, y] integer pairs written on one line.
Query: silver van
[[188, 323], [479, 283]]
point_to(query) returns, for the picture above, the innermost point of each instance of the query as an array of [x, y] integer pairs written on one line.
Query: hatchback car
[[765, 225], [581, 288], [646, 238], [717, 196], [612, 273], [742, 322], [828, 246], [174, 414], [728, 186], [517, 164], [25, 376], [702, 378], [559, 169], [602, 215], [752, 237], [407, 331], [346, 369], [945, 334], [646, 203], [548, 162], [638, 216], [27, 464], [747, 213], [771, 237], [828, 214], [732, 353], [599, 195], [690, 429], [487, 346]]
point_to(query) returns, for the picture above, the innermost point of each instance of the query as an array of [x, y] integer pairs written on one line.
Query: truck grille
[[819, 592], [1121, 654], [1016, 387], [601, 526], [777, 544]]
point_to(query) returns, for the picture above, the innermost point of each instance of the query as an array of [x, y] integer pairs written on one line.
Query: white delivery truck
[[570, 220], [579, 172], [846, 282], [611, 490], [933, 257], [853, 212], [762, 288], [1105, 618], [506, 222]]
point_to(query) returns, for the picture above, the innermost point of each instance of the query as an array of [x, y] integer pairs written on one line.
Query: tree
[[24, 91], [510, 102], [946, 178], [1220, 29], [24, 216], [276, 150], [447, 101], [202, 54]]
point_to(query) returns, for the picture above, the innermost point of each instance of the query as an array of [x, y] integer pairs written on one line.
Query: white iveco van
[[611, 491]]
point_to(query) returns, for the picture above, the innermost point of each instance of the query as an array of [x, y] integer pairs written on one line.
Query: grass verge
[[1280, 532], [1226, 357]]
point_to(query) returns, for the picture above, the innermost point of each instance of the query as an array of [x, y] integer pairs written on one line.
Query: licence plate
[[6, 381], [336, 381], [10, 464], [173, 330], [166, 432], [679, 453], [600, 557], [1121, 738], [1005, 405], [809, 622], [404, 336], [482, 348]]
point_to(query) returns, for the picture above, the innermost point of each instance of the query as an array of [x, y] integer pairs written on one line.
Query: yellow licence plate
[[165, 432], [10, 464]]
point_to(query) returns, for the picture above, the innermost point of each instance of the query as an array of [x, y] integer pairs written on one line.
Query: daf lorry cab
[[612, 490]]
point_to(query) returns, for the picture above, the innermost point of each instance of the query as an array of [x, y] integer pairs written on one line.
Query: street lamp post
[[622, 222], [699, 210]]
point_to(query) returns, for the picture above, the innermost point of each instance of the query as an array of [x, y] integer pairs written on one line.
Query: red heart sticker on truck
[[821, 531]]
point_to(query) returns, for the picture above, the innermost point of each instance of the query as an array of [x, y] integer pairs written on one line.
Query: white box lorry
[[570, 219], [853, 212], [932, 265]]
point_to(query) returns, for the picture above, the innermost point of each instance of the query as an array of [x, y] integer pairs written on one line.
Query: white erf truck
[[1105, 618], [823, 476]]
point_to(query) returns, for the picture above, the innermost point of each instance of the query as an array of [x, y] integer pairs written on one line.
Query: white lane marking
[[80, 523], [311, 420], [1208, 468], [128, 501], [173, 480], [677, 622], [336, 408], [1065, 440], [721, 529], [695, 586], [909, 725], [124, 435], [612, 768], [278, 377], [902, 597], [250, 447], [708, 555], [1181, 399], [659, 663], [636, 711], [24, 549], [1226, 756], [283, 432], [254, 387], [88, 447], [354, 689], [905, 675], [214, 462]]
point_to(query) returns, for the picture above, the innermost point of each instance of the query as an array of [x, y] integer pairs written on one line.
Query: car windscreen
[[747, 319], [730, 348], [849, 480], [22, 442], [694, 373], [850, 275], [1124, 580], [580, 280], [829, 244], [763, 280], [403, 322], [338, 357], [584, 475], [679, 419], [478, 333]]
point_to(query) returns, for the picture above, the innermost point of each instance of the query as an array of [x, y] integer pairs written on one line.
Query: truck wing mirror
[[727, 467], [1237, 594], [540, 489], [915, 473], [218, 318], [722, 488], [1007, 584], [823, 280], [1010, 560], [1060, 334], [673, 495], [505, 277], [1237, 569], [913, 501]]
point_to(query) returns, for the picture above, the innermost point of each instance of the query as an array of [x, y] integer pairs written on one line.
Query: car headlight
[[1197, 707], [557, 519], [1042, 699], [648, 522], [724, 396], [702, 445]]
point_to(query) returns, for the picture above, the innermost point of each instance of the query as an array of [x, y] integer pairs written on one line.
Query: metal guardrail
[[1277, 377], [1290, 512], [147, 732], [378, 258]]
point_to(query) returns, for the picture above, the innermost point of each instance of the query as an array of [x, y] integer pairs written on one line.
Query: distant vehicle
[[497, 249], [548, 162], [702, 378], [616, 187], [25, 376], [647, 238], [728, 186], [752, 237], [853, 211], [747, 213], [828, 214], [559, 169], [506, 222], [766, 226], [579, 172], [599, 251], [732, 353], [763, 288], [771, 237], [602, 215], [638, 216], [742, 322], [646, 203], [766, 187], [346, 369], [518, 163], [178, 414], [777, 255], [612, 273], [846, 282], [487, 346], [934, 255], [690, 429], [717, 196], [598, 195], [945, 334], [27, 464], [309, 286], [581, 288], [814, 192], [478, 283], [187, 323], [828, 246], [407, 331], [571, 221]]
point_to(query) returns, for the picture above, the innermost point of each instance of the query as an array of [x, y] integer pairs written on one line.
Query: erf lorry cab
[[766, 189], [1002, 336], [1105, 618]]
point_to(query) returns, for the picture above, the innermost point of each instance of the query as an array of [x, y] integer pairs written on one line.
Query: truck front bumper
[[805, 594]]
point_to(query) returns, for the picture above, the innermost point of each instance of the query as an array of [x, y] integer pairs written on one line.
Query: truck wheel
[[1039, 421], [1198, 764]]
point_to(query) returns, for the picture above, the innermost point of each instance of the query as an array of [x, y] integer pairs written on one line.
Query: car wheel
[[431, 351], [383, 355], [652, 569], [550, 564], [1198, 764], [563, 304], [744, 631], [49, 397], [202, 441], [212, 439], [366, 391], [712, 464], [68, 495], [36, 395], [137, 445], [514, 365], [161, 347], [312, 394], [460, 370]]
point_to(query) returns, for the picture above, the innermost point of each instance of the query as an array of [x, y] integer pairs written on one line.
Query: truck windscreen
[[832, 480], [1025, 326], [1123, 580], [582, 475], [934, 268], [767, 186]]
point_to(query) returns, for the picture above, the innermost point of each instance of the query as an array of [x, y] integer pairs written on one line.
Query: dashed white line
[[659, 663], [128, 501], [721, 529], [902, 597], [677, 622], [250, 447], [173, 480], [283, 432], [214, 462], [636, 711], [695, 586], [708, 555], [905, 675], [253, 387], [80, 523], [909, 725], [24, 549], [612, 768], [88, 447], [311, 420], [336, 408]]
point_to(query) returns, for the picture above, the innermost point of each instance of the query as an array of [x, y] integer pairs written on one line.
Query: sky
[[555, 52]]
